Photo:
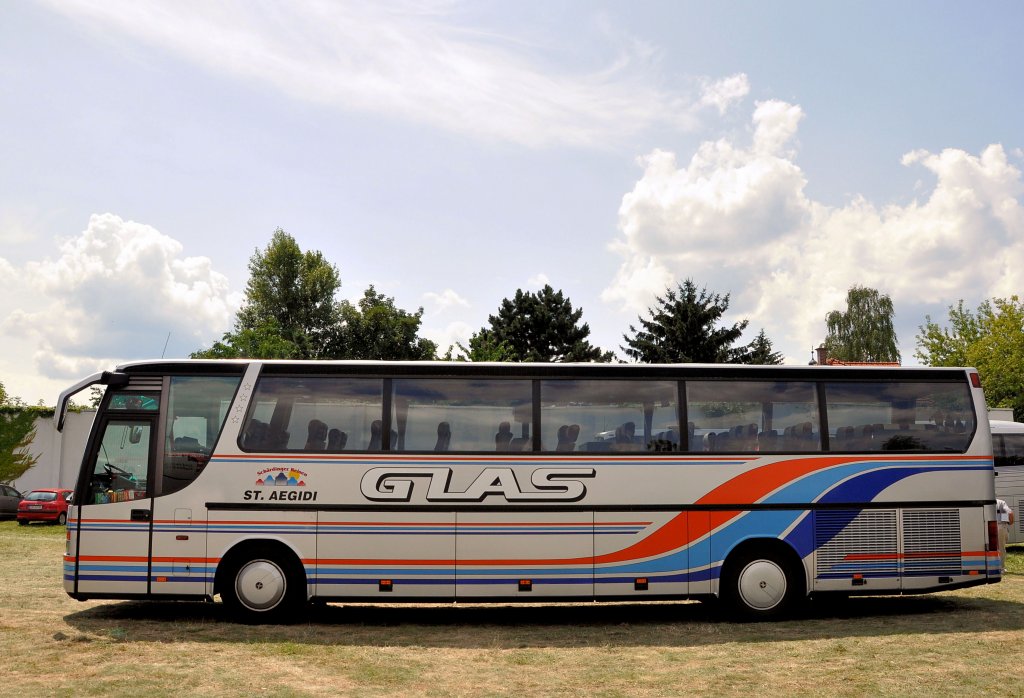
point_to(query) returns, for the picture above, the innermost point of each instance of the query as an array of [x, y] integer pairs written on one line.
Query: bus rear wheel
[[762, 584], [262, 585]]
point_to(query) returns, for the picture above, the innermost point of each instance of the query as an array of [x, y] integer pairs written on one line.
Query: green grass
[[956, 642]]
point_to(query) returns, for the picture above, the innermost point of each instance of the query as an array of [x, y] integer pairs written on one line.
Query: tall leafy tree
[[949, 346], [262, 342], [683, 327], [17, 430], [864, 331], [289, 306], [990, 339], [376, 328], [541, 326]]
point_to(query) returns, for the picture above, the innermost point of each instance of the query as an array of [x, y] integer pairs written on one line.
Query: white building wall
[[60, 454]]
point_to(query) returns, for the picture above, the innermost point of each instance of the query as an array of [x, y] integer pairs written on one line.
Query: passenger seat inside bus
[[316, 436], [375, 436], [567, 435], [336, 440], [503, 438], [444, 437], [255, 435]]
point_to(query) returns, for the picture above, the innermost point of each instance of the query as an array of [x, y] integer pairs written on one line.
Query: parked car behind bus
[[44, 505], [9, 499]]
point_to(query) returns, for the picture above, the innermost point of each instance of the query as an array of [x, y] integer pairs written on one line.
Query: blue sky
[[451, 153]]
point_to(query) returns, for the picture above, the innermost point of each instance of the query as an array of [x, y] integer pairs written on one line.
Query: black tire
[[23, 522], [62, 519], [262, 584], [762, 583]]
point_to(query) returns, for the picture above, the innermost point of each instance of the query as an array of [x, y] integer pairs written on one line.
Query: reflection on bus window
[[461, 415], [196, 410], [609, 415], [748, 416], [899, 416], [315, 414], [122, 463], [134, 402], [1008, 449]]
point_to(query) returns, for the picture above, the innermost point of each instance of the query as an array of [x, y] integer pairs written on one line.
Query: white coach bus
[[1008, 448], [273, 484]]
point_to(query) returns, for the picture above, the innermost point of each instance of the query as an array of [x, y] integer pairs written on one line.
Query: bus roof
[[541, 370]]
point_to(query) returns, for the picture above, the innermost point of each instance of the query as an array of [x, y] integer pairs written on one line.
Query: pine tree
[[683, 328], [541, 326]]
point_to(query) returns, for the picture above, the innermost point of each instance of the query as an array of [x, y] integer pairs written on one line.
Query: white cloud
[[737, 219], [114, 293], [538, 281], [721, 94], [444, 301], [414, 60], [447, 336]]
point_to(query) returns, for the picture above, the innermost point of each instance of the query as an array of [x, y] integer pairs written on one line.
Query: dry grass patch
[[926, 645]]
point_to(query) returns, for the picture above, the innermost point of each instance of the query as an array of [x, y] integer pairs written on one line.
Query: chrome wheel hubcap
[[762, 585], [260, 585]]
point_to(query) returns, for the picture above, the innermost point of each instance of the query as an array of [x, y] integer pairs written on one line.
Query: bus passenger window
[[609, 415], [314, 414], [197, 408], [461, 414], [899, 416], [752, 416]]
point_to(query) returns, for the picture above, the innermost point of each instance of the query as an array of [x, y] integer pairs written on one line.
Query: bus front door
[[113, 529]]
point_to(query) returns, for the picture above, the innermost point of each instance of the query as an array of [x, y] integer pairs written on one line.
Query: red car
[[44, 505]]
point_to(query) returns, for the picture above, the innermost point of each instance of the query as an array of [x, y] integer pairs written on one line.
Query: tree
[[939, 346], [262, 342], [541, 326], [17, 430], [991, 340], [761, 352], [682, 328], [483, 346], [289, 308], [377, 329], [864, 332]]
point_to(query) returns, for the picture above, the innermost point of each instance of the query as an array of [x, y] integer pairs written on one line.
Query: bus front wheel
[[762, 583], [260, 584]]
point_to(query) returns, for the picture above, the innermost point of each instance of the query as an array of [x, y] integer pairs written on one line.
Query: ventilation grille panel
[[855, 542], [148, 384], [931, 541]]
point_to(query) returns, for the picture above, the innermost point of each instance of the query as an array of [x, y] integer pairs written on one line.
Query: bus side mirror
[[135, 436]]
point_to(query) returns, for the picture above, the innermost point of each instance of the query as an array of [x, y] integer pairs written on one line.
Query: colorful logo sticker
[[281, 477]]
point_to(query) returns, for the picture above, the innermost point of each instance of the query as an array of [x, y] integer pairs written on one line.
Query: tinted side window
[[895, 416], [609, 415], [748, 416], [453, 414], [196, 409], [310, 413], [1009, 449]]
